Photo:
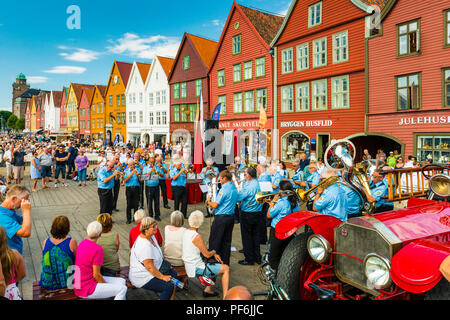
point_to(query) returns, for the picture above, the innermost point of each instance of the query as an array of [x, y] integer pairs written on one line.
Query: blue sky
[[35, 39]]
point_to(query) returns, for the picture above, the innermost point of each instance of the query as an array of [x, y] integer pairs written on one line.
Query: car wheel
[[441, 291], [292, 264]]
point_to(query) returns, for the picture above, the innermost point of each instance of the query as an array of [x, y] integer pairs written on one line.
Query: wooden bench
[[40, 293]]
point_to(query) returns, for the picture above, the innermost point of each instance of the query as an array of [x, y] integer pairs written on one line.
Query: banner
[[227, 142]]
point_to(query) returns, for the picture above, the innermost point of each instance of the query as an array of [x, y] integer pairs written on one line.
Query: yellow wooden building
[[98, 112], [33, 113]]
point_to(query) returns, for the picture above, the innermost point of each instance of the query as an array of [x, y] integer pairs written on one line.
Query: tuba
[[212, 193], [439, 183]]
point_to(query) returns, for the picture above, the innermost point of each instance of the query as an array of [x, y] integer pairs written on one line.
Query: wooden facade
[[28, 115], [320, 69], [419, 120], [63, 110], [98, 112], [115, 102], [183, 79], [84, 113]]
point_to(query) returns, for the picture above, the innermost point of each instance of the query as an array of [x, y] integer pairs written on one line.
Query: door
[[323, 140]]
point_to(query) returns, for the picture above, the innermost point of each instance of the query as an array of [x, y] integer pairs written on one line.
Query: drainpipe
[[273, 52]]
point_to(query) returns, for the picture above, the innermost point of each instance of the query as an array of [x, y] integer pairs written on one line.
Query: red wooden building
[[188, 77], [63, 110], [409, 78], [241, 74], [28, 116], [320, 71], [84, 113]]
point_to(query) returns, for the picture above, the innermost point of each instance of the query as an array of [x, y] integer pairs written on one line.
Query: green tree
[[20, 124], [4, 115], [11, 123]]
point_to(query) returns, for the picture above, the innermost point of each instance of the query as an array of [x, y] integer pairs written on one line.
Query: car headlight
[[319, 248], [377, 270]]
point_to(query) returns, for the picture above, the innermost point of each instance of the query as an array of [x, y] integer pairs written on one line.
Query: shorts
[[46, 171], [212, 270], [62, 169], [18, 172]]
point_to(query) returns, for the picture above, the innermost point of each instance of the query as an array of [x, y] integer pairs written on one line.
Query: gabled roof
[[205, 48], [102, 90], [144, 68], [78, 89], [89, 93], [57, 96], [29, 93], [380, 3], [265, 23], [124, 70], [166, 64]]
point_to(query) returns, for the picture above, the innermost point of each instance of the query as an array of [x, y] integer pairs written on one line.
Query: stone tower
[[19, 88]]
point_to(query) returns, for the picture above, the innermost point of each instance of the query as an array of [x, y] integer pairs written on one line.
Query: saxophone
[[304, 194]]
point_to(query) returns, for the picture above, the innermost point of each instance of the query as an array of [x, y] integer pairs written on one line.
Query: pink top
[[88, 254]]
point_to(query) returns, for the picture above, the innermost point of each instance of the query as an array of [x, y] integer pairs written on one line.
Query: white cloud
[[79, 55], [216, 22], [66, 70], [36, 79], [136, 46]]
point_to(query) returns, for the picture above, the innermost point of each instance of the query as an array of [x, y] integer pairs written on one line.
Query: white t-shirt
[[143, 250], [7, 155], [191, 254]]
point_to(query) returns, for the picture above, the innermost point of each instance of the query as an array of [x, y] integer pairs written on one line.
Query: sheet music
[[266, 186], [203, 187]]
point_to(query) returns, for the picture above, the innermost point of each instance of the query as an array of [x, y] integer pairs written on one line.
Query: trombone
[[261, 197]]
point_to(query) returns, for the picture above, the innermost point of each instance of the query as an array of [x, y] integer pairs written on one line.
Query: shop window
[[408, 38], [292, 144], [408, 92], [433, 147]]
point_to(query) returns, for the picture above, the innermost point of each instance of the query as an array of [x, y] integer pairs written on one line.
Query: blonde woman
[[109, 241], [13, 267]]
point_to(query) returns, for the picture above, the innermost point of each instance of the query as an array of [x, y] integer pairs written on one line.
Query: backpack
[[54, 269]]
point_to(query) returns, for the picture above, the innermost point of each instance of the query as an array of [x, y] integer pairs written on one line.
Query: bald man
[[239, 293]]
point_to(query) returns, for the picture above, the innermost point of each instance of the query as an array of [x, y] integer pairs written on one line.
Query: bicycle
[[268, 277]]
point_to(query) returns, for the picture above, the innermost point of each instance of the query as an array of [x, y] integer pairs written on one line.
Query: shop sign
[[424, 120], [312, 123], [238, 124]]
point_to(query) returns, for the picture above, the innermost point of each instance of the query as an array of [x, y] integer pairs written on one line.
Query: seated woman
[[173, 235], [13, 267], [136, 231], [109, 241], [89, 260], [57, 255], [193, 245], [146, 260]]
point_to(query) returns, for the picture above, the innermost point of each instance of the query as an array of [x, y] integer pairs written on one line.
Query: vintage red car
[[385, 256]]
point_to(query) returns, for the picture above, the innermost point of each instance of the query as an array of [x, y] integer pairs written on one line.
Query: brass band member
[[222, 226], [162, 180], [105, 181], [117, 167], [132, 184], [178, 177], [140, 163]]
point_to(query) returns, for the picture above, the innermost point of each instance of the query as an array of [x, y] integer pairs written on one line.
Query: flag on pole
[[262, 117], [216, 113], [198, 137]]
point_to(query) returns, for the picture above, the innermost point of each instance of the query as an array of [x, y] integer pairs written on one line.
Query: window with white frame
[[315, 14], [237, 73], [287, 98], [150, 99], [303, 57], [302, 97], [261, 99], [286, 60], [141, 116], [340, 47], [319, 95], [340, 97], [221, 78], [320, 52], [249, 102], [158, 98], [130, 116], [163, 97], [176, 117], [164, 117], [158, 118], [237, 102], [447, 28], [141, 97]]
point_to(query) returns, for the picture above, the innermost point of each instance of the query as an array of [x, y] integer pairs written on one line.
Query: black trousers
[[163, 188], [251, 235], [220, 236], [152, 195], [264, 225], [106, 200], [141, 194], [180, 195], [132, 194], [116, 191], [277, 247]]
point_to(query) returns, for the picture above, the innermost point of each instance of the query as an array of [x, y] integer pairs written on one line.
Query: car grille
[[358, 237]]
